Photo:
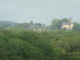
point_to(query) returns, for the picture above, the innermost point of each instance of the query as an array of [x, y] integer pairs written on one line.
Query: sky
[[39, 11]]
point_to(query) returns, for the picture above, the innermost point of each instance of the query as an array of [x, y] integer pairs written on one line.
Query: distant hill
[[8, 22]]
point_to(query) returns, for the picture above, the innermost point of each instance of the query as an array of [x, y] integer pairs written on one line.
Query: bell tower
[[70, 19], [71, 23]]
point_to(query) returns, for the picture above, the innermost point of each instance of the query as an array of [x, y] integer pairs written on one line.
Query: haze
[[39, 11]]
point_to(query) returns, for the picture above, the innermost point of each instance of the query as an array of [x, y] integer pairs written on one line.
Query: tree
[[31, 22], [64, 20], [15, 49], [30, 52], [16, 30], [39, 24], [24, 25], [76, 27], [55, 24], [43, 24], [3, 50]]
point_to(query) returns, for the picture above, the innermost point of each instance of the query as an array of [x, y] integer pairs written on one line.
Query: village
[[65, 24]]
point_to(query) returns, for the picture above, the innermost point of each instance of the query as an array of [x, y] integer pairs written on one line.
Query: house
[[9, 27], [67, 25], [34, 27]]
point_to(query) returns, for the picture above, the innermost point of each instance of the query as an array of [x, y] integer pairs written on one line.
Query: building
[[67, 25], [34, 27]]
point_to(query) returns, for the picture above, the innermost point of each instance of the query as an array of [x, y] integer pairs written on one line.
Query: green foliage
[[31, 52], [17, 30], [3, 50], [76, 27], [43, 24], [3, 27], [56, 23], [6, 39], [39, 24], [29, 37], [15, 47], [29, 45], [24, 25], [68, 46], [64, 20]]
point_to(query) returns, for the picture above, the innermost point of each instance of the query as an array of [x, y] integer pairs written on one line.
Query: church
[[67, 25]]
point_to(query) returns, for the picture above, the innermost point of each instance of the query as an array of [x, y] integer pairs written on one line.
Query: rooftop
[[66, 23]]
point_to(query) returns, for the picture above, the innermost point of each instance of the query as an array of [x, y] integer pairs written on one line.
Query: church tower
[[70, 19], [71, 23]]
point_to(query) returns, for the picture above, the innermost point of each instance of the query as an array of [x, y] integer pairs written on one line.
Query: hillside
[[8, 22]]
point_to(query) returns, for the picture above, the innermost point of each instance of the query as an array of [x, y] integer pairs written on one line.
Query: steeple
[[70, 18]]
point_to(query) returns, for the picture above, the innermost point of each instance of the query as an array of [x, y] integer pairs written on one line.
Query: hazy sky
[[43, 11]]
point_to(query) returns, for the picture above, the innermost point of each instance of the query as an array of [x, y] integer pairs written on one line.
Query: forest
[[20, 43], [17, 44]]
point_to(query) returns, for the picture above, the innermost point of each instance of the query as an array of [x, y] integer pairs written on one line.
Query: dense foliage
[[76, 27], [18, 44], [39, 24], [24, 25], [29, 45]]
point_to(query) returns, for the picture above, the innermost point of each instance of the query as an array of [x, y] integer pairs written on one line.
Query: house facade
[[67, 25]]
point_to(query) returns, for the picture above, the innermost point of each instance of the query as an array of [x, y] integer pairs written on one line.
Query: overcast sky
[[39, 11]]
